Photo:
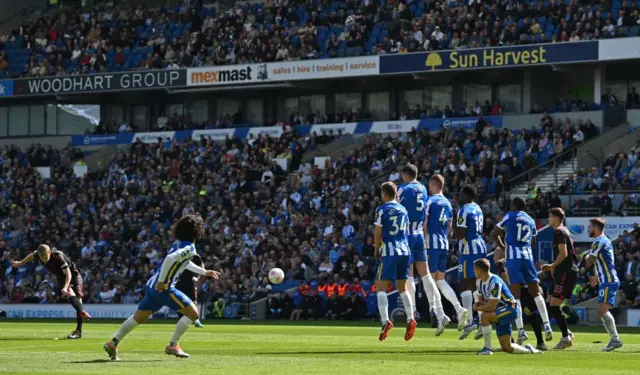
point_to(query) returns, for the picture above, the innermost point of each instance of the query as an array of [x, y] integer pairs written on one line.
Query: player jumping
[[161, 290], [520, 232], [468, 230], [439, 214], [59, 264], [601, 254], [497, 306], [564, 271], [391, 249], [413, 196]]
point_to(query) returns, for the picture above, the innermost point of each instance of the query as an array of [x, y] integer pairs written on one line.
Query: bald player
[[69, 284]]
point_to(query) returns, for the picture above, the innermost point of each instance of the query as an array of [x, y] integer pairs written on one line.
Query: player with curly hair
[[161, 290]]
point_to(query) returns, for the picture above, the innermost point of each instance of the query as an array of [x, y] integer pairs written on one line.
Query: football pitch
[[286, 349]]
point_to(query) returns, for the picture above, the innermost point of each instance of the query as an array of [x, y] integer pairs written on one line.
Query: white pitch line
[[26, 347]]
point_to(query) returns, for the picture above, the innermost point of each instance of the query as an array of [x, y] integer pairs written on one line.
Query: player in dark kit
[[564, 271], [69, 280], [187, 285]]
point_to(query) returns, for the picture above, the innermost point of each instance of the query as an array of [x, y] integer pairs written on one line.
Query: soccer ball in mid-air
[[276, 275]]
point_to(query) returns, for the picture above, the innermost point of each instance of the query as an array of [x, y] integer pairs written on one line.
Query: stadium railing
[[552, 165], [617, 196], [345, 144]]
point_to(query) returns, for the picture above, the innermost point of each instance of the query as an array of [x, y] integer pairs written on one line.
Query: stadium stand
[[116, 36]]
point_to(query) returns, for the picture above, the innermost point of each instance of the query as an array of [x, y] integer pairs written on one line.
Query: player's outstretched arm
[[486, 306], [18, 264], [460, 226], [66, 289], [498, 237], [201, 271], [377, 241], [533, 240], [425, 227]]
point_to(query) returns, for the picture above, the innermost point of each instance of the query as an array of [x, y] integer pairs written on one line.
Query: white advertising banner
[[319, 69], [284, 71], [64, 311], [619, 49], [270, 131], [153, 136], [282, 162], [394, 126], [345, 128], [633, 318], [45, 172], [80, 169], [214, 134], [321, 161], [614, 227]]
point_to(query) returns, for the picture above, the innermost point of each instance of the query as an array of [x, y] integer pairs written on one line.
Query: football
[[276, 275]]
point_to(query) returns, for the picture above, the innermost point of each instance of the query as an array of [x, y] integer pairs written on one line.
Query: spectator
[[609, 98], [130, 298], [578, 135], [354, 308], [335, 306], [633, 99], [274, 308], [312, 306], [107, 294]]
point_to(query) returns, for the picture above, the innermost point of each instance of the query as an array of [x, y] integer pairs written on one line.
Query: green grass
[[280, 348]]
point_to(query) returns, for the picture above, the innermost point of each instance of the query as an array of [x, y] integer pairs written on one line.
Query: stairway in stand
[[547, 180]]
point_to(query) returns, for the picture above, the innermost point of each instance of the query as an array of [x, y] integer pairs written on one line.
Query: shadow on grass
[[410, 352], [105, 360]]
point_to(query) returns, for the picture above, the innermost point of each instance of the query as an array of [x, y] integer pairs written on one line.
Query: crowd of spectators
[[620, 174], [179, 122], [114, 36], [465, 110], [627, 263], [627, 251], [313, 221]]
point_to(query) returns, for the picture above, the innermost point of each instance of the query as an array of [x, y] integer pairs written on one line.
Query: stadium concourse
[[117, 36], [314, 222]]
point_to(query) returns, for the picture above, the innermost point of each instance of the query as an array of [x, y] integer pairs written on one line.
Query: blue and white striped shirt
[[520, 229], [413, 196], [602, 250], [439, 213], [393, 219], [174, 264], [470, 216]]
